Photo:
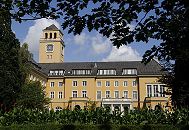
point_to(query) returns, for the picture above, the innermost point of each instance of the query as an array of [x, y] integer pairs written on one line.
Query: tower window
[[54, 35], [50, 35], [46, 35], [49, 48]]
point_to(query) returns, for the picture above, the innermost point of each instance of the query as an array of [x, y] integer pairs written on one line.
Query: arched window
[[54, 35], [50, 35], [46, 35], [77, 107]]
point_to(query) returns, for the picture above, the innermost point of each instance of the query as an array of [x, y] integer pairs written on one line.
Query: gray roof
[[52, 27], [152, 68]]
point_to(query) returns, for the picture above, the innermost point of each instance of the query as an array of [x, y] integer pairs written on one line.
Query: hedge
[[93, 127]]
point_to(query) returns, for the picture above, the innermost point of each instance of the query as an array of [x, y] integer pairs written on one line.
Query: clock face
[[49, 47]]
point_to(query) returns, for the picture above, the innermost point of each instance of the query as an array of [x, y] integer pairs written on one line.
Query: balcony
[[156, 99], [116, 100], [79, 99]]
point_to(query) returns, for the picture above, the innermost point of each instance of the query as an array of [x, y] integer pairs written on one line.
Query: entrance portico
[[117, 103]]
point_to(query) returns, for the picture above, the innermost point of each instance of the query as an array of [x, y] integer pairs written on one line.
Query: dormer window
[[81, 72], [50, 47], [129, 72], [56, 72], [107, 72]]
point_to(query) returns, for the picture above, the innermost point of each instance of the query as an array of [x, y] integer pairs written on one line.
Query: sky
[[88, 46]]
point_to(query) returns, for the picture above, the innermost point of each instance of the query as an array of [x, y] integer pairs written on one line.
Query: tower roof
[[51, 27]]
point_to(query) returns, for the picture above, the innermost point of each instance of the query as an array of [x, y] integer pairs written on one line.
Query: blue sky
[[89, 46]]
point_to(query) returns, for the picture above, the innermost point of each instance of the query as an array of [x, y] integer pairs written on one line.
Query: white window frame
[[116, 94], [126, 95], [116, 83], [74, 83], [84, 95], [134, 83], [125, 83], [107, 83], [107, 95], [84, 83], [73, 93], [134, 95], [52, 95], [59, 84], [98, 84], [60, 95], [97, 95], [52, 83]]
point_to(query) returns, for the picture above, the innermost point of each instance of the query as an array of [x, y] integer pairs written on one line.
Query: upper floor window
[[107, 72], [116, 94], [60, 95], [60, 84], [74, 83], [129, 71], [155, 90], [84, 83], [74, 94], [116, 83], [99, 83], [125, 94], [51, 94], [81, 72], [124, 83], [162, 90], [149, 90], [51, 84], [56, 72], [50, 47], [134, 83], [98, 95], [84, 93], [135, 95], [107, 83], [107, 94]]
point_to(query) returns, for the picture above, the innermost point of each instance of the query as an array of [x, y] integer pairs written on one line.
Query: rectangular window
[[74, 83], [74, 94], [129, 71], [116, 83], [84, 83], [134, 83], [162, 90], [51, 84], [155, 90], [124, 83], [51, 95], [99, 83], [135, 95], [84, 93], [98, 94], [125, 94], [116, 94], [107, 72], [60, 84], [107, 94], [107, 83], [60, 95], [149, 90]]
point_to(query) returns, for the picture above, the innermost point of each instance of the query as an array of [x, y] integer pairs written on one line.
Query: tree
[[10, 75], [32, 96], [164, 20]]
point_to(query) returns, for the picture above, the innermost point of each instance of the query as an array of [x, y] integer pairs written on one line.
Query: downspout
[[138, 89]]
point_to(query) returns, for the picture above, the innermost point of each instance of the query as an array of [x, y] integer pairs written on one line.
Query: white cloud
[[124, 53], [81, 39], [35, 32], [100, 45]]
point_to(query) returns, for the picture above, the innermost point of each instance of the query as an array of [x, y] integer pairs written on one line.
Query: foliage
[[94, 117], [164, 20], [10, 71], [32, 96]]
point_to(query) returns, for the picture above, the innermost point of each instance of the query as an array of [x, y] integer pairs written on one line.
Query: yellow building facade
[[117, 85]]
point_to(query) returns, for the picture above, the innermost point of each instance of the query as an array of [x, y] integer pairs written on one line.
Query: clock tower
[[51, 47]]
